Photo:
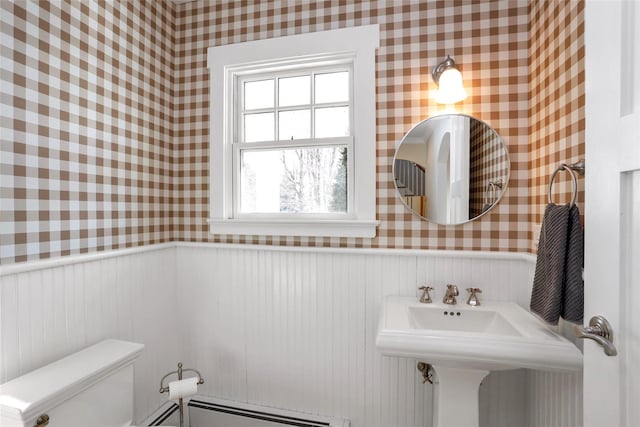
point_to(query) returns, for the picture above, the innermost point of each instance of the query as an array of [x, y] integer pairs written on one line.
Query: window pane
[[258, 127], [300, 180], [332, 87], [258, 94], [294, 91], [332, 121], [294, 124]]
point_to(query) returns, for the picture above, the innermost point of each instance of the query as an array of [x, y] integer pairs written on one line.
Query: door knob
[[600, 331]]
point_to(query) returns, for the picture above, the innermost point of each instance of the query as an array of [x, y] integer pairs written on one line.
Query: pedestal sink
[[464, 343]]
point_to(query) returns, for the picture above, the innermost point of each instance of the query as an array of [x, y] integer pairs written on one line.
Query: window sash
[[238, 148], [238, 145], [310, 70]]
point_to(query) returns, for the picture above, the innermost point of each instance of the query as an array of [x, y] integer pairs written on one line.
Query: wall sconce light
[[449, 80]]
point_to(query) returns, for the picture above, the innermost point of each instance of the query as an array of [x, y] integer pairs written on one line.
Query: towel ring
[[492, 190], [569, 168]]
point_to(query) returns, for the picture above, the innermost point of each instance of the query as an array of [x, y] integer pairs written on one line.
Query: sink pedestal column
[[456, 397]]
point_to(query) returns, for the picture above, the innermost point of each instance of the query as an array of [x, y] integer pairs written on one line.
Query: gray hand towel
[[557, 284], [573, 291]]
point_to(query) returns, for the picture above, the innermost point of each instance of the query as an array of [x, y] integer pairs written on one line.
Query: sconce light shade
[[449, 80]]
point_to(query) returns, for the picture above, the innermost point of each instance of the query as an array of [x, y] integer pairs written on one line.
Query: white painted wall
[[64, 305], [296, 329], [284, 327], [554, 399]]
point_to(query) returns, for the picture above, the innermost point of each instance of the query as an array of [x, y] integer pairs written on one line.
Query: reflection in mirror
[[451, 169]]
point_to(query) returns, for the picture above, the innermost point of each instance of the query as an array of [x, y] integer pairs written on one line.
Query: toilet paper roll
[[183, 388]]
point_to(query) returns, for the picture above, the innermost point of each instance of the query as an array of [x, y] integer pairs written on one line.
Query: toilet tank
[[90, 388]]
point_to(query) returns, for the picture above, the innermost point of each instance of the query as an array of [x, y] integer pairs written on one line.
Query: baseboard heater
[[204, 411], [162, 414]]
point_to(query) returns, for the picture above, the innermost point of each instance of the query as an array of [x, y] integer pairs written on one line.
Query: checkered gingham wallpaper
[[557, 101], [86, 144], [488, 39], [105, 118], [488, 163]]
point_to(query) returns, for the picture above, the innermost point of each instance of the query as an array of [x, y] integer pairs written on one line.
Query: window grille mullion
[[322, 142]]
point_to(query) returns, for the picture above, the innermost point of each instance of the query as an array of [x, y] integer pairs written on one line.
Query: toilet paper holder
[[179, 372], [164, 388]]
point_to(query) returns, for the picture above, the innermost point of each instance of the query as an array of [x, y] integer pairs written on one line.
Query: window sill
[[303, 228]]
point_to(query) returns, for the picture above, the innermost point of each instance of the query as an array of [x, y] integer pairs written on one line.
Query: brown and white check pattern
[[105, 113], [488, 163], [557, 101], [86, 145], [488, 39]]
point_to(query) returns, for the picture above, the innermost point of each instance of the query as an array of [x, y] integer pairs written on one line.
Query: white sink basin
[[493, 336], [485, 321], [464, 343]]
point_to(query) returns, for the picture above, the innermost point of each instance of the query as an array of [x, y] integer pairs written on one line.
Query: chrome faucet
[[473, 297], [450, 295], [425, 297]]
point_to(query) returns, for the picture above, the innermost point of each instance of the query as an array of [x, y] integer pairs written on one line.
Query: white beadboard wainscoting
[[554, 399], [295, 328], [290, 328], [50, 309]]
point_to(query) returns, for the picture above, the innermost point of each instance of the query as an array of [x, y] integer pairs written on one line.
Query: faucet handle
[[453, 289], [473, 298], [425, 298]]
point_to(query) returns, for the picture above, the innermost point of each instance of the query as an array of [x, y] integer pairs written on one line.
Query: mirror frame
[[505, 184]]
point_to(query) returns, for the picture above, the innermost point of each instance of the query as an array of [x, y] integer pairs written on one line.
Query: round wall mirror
[[451, 169]]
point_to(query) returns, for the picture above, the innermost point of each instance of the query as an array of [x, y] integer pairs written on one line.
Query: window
[[292, 143], [293, 135]]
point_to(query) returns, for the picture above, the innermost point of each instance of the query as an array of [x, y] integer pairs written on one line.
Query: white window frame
[[312, 66], [358, 45]]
